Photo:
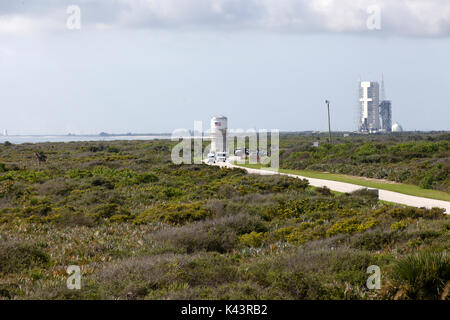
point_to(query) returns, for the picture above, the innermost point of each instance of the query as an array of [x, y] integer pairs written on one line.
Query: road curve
[[385, 195]]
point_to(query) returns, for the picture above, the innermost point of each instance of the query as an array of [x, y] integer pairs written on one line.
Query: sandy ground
[[348, 187]]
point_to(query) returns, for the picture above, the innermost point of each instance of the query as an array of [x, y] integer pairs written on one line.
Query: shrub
[[174, 213], [301, 233], [74, 219], [170, 192], [18, 256], [366, 193], [300, 285], [252, 239], [351, 225], [219, 235], [312, 273], [157, 276], [374, 240], [415, 213], [101, 181], [324, 191], [148, 272], [433, 176], [41, 209], [226, 191], [119, 218], [422, 275], [427, 181], [113, 150], [400, 225], [6, 187], [109, 210], [366, 149], [96, 148], [146, 178], [209, 269], [8, 291]]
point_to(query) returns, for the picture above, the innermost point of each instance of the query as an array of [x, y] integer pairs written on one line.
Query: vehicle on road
[[253, 156], [221, 156], [240, 152], [211, 158]]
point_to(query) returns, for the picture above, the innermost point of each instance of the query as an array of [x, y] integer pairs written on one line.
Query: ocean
[[70, 138]]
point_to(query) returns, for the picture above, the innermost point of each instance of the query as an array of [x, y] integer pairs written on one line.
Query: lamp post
[[329, 124]]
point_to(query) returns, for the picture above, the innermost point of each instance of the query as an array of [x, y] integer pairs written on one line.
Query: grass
[[419, 160], [390, 186]]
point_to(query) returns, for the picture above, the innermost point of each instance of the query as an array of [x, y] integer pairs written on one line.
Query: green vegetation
[[141, 227], [365, 182], [413, 159], [419, 275], [396, 187], [413, 164]]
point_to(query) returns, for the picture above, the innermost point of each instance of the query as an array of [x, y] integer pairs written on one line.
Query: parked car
[[253, 157], [262, 153], [240, 152]]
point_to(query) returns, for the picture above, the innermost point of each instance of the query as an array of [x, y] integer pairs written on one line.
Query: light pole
[[329, 124]]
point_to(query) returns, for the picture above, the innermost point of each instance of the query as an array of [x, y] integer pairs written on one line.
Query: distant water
[[67, 138]]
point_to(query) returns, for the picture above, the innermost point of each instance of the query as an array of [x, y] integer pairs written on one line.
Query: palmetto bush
[[423, 275]]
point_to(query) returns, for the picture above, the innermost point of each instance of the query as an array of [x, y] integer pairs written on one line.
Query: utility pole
[[329, 123]]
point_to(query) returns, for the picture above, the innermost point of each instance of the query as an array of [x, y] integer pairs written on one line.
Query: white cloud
[[398, 17], [16, 24]]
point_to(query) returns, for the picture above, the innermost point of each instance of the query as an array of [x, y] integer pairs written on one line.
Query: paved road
[[348, 187]]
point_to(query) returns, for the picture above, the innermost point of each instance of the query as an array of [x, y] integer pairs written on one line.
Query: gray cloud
[[424, 18]]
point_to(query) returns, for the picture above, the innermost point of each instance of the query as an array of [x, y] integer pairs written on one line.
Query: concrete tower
[[219, 126], [370, 101]]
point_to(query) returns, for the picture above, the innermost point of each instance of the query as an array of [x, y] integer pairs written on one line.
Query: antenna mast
[[358, 106], [383, 92]]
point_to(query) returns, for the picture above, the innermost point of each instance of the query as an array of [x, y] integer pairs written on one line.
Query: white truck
[[211, 158], [221, 156]]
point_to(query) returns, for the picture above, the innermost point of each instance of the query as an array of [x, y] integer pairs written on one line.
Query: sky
[[158, 65]]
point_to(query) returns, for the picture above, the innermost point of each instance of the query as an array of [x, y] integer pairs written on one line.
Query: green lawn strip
[[396, 187]]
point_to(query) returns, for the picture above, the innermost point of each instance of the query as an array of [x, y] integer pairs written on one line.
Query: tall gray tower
[[385, 110], [369, 98]]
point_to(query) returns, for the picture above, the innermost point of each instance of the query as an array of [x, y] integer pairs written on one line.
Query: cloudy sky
[[158, 65]]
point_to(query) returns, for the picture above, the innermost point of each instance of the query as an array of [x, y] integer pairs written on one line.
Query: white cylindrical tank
[[219, 126], [396, 127]]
